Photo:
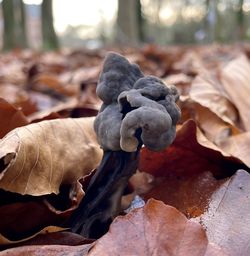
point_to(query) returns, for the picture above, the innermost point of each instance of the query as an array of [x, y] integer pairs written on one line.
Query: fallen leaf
[[190, 64], [191, 153], [46, 230], [43, 101], [227, 220], [50, 83], [49, 250], [155, 229], [18, 98], [53, 112], [213, 127], [238, 146], [10, 117], [210, 94], [235, 79], [181, 81], [36, 159], [57, 238], [190, 194], [24, 216]]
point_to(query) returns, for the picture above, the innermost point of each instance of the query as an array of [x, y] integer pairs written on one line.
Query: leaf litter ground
[[200, 182]]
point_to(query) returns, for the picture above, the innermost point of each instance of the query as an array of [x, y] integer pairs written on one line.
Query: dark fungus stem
[[101, 202]]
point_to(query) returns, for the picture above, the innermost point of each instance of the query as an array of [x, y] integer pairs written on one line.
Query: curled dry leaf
[[227, 220], [155, 229], [210, 94], [10, 117], [50, 229], [238, 146], [49, 238], [235, 79], [214, 128], [23, 217], [36, 159]]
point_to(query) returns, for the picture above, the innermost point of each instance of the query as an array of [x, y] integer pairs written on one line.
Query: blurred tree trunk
[[50, 41], [212, 20], [14, 34], [240, 20], [20, 17], [9, 41], [128, 23], [141, 21]]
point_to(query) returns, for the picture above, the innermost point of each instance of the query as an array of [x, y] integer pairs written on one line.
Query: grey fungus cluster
[[136, 109]]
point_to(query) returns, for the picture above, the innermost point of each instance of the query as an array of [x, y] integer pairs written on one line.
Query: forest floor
[[193, 196]]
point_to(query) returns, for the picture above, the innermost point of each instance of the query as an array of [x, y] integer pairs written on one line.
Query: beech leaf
[[209, 93], [155, 229], [238, 146], [49, 229], [36, 159], [190, 154], [235, 80], [55, 250], [10, 117], [227, 220]]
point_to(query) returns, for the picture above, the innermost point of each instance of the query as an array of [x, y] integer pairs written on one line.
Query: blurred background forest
[[50, 24]]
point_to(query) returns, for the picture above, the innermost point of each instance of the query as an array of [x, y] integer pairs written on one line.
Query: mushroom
[[136, 110]]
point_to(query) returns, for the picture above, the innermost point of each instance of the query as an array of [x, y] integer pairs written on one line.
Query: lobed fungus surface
[[132, 104]]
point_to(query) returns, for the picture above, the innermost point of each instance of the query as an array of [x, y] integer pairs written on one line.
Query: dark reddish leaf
[[190, 194], [10, 117], [190, 154], [155, 229]]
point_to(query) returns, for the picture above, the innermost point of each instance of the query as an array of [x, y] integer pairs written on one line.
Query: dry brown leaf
[[22, 217], [190, 63], [86, 75], [181, 81], [49, 250], [155, 229], [10, 117], [44, 82], [47, 230], [36, 159], [53, 111], [18, 97], [214, 128], [235, 79], [227, 220], [238, 146], [210, 94], [56, 238]]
